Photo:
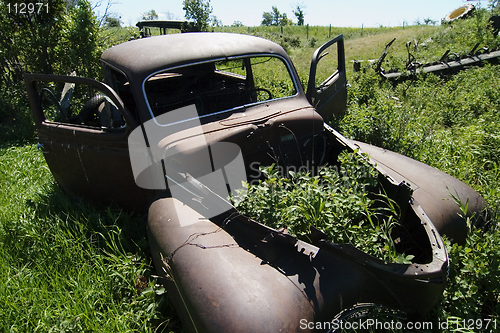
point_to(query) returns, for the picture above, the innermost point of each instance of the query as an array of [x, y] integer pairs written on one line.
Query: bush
[[286, 41], [61, 39], [313, 41], [342, 203]]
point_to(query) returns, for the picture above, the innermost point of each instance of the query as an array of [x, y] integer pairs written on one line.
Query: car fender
[[216, 285], [433, 189]]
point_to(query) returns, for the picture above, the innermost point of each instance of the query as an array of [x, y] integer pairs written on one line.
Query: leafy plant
[[341, 202]]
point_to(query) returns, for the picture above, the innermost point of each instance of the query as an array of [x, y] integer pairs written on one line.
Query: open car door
[[83, 128], [327, 86]]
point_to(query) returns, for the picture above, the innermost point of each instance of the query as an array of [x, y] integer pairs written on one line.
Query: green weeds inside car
[[337, 201]]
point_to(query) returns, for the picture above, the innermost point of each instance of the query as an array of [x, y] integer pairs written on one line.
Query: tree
[[299, 14], [59, 39], [112, 22], [267, 18], [215, 21], [199, 11], [428, 21], [274, 17], [102, 19], [149, 16], [284, 21]]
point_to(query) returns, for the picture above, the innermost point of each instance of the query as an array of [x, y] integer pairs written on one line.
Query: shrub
[[61, 39], [342, 203], [313, 41]]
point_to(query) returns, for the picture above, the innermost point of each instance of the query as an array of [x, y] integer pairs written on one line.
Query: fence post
[[330, 31], [307, 29]]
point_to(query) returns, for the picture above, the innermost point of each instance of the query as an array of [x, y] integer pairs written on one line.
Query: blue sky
[[345, 13]]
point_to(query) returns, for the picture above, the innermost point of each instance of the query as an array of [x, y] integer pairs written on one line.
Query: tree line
[[274, 17]]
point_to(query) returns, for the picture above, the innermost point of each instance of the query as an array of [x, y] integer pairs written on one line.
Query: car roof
[[141, 57]]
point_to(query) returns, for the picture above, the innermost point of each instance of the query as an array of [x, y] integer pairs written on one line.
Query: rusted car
[[176, 108]]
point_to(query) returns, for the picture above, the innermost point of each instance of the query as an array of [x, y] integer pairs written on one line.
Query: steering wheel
[[61, 114], [256, 90]]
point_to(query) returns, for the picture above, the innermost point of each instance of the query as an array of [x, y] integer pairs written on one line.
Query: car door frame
[[85, 161], [330, 97]]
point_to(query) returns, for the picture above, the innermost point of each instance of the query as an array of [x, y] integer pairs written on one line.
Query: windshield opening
[[219, 85]]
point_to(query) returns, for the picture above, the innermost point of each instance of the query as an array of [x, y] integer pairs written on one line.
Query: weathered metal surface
[[330, 97], [271, 137], [451, 67], [143, 57], [445, 66], [459, 13], [88, 162]]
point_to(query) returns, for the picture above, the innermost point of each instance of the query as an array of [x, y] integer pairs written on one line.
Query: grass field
[[69, 267]]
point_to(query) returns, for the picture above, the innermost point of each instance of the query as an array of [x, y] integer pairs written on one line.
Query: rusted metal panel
[[329, 97], [88, 162], [445, 66], [433, 189]]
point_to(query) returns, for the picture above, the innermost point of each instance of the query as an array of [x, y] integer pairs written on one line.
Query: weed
[[339, 202], [66, 266]]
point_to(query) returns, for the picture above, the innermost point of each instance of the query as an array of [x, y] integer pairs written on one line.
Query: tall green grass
[[66, 266]]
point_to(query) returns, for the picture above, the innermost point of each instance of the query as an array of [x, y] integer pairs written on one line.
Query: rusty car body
[[226, 272]]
